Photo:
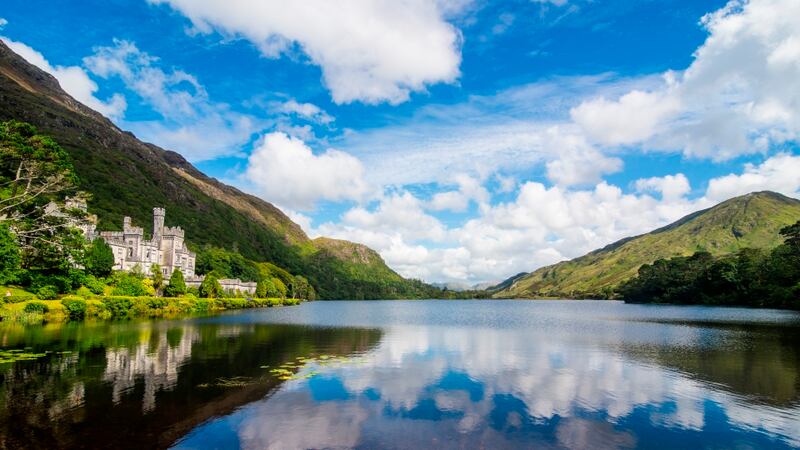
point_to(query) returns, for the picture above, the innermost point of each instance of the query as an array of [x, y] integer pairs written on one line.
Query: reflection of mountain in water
[[760, 363], [461, 387], [144, 385]]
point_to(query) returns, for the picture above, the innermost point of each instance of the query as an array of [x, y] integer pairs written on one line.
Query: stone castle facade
[[166, 247]]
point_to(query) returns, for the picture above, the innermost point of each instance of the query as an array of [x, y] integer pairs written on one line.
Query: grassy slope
[[129, 177], [751, 220]]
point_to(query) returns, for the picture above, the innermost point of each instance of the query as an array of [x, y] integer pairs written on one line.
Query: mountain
[[129, 177], [751, 220]]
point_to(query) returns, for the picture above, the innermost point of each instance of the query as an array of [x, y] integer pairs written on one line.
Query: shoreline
[[75, 308]]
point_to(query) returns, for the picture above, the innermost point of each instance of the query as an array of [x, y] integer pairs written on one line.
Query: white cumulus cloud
[[780, 173], [740, 94], [74, 80], [192, 124], [373, 52], [670, 187], [286, 171]]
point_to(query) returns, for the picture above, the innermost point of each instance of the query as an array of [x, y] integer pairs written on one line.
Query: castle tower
[[158, 223]]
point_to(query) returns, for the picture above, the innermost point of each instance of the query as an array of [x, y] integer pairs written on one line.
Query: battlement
[[165, 247], [112, 236], [172, 232], [139, 231]]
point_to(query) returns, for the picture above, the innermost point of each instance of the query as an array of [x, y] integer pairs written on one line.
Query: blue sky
[[465, 140]]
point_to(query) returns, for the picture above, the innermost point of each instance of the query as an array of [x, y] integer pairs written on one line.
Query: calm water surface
[[411, 374]]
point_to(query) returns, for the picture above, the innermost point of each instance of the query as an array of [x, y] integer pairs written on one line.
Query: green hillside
[[751, 220], [128, 177]]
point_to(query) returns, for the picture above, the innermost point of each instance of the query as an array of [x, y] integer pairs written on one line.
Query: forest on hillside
[[749, 277]]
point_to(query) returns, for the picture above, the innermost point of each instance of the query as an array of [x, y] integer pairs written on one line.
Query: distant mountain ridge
[[129, 177], [751, 220]]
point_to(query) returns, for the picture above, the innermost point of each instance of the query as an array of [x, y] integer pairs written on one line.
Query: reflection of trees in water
[[509, 388], [761, 363], [135, 384]]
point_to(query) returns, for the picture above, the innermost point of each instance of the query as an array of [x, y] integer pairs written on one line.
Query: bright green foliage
[[157, 277], [36, 307], [99, 259], [302, 289], [261, 288], [749, 221], [95, 285], [210, 287], [279, 287], [47, 292], [176, 286], [118, 306], [76, 308], [128, 284], [33, 171], [226, 264], [750, 277], [9, 255]]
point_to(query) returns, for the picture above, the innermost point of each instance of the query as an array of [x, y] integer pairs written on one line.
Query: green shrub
[[210, 287], [84, 292], [18, 298], [118, 306], [96, 308], [156, 303], [176, 286], [233, 303], [202, 305], [128, 285], [48, 292], [36, 307], [96, 285], [75, 306]]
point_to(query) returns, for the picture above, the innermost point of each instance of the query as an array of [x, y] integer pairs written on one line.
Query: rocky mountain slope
[[751, 220], [129, 177]]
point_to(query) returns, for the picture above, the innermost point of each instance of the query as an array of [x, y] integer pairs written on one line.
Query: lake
[[409, 374]]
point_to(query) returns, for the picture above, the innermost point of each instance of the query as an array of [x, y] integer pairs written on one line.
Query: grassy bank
[[26, 308]]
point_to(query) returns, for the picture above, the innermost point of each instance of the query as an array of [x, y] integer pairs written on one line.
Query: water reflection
[[145, 384], [629, 383], [425, 375]]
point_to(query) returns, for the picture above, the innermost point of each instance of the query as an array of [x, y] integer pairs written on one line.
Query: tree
[[300, 287], [157, 277], [99, 259], [9, 255], [36, 172], [263, 287], [791, 235], [128, 284], [279, 287], [210, 287], [176, 286]]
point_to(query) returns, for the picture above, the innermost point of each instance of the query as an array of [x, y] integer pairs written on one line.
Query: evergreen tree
[[157, 277], [99, 259], [176, 286]]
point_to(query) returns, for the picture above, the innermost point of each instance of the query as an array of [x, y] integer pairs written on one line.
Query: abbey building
[[166, 247]]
